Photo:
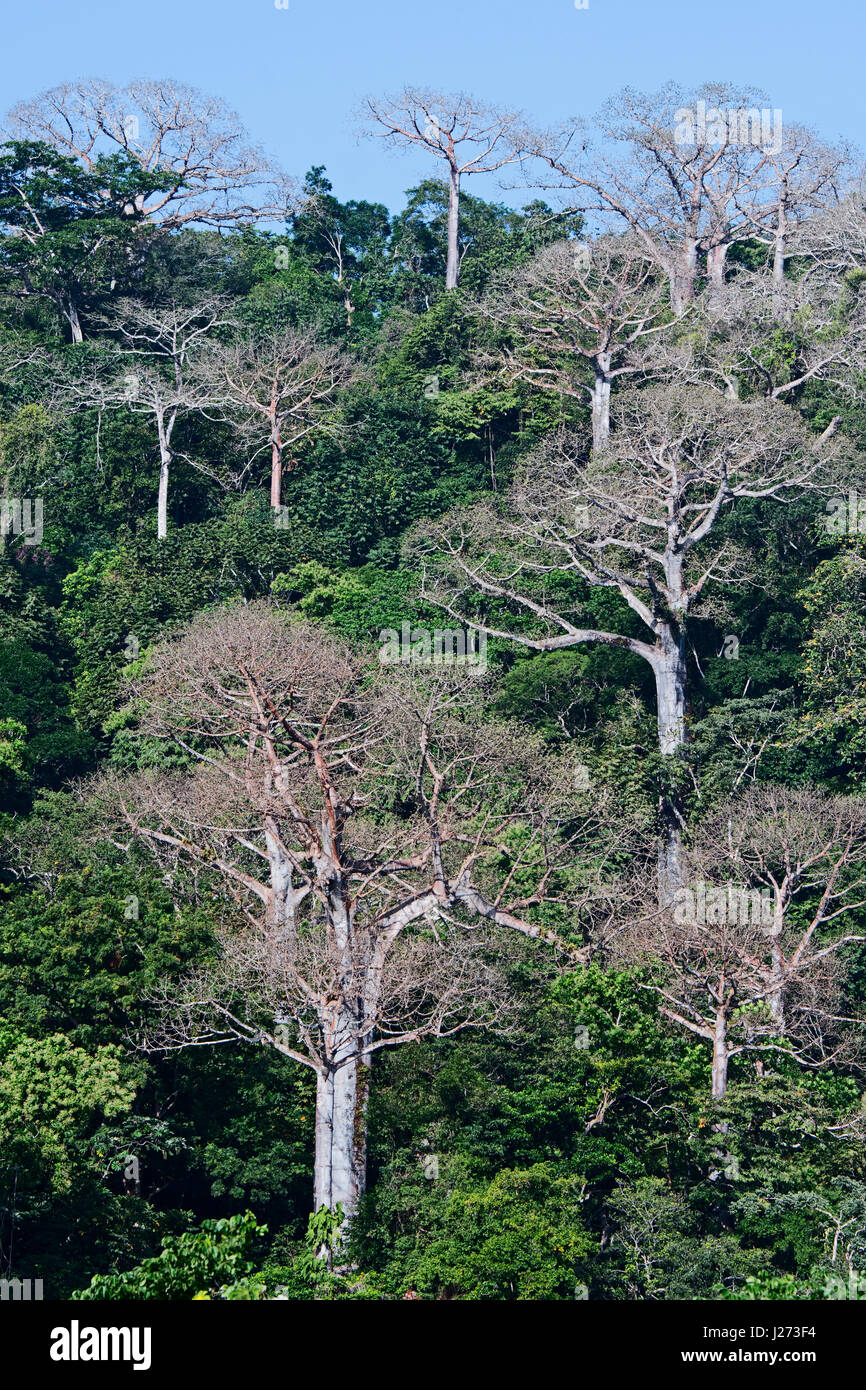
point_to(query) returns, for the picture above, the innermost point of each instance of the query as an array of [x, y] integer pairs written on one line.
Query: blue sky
[[296, 75]]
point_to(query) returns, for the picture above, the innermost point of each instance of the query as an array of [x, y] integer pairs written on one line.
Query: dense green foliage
[[561, 1170]]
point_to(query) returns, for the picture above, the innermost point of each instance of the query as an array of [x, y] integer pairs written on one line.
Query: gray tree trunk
[[682, 276], [777, 995], [670, 674], [716, 258], [276, 460], [720, 1054], [780, 248], [601, 400], [452, 269], [340, 1164], [74, 322], [669, 669], [164, 464], [281, 909], [341, 1093]]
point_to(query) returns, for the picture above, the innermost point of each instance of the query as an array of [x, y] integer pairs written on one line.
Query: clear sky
[[295, 75]]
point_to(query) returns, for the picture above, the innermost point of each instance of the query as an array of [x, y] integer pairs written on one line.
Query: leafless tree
[[576, 319], [221, 178], [282, 386], [750, 955], [687, 189], [733, 343], [804, 177], [16, 354], [357, 822], [148, 370], [638, 518], [836, 238], [470, 136]]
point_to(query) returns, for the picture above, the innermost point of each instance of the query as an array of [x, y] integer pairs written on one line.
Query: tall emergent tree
[[208, 170], [576, 318], [688, 171], [356, 821], [443, 124], [636, 517]]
